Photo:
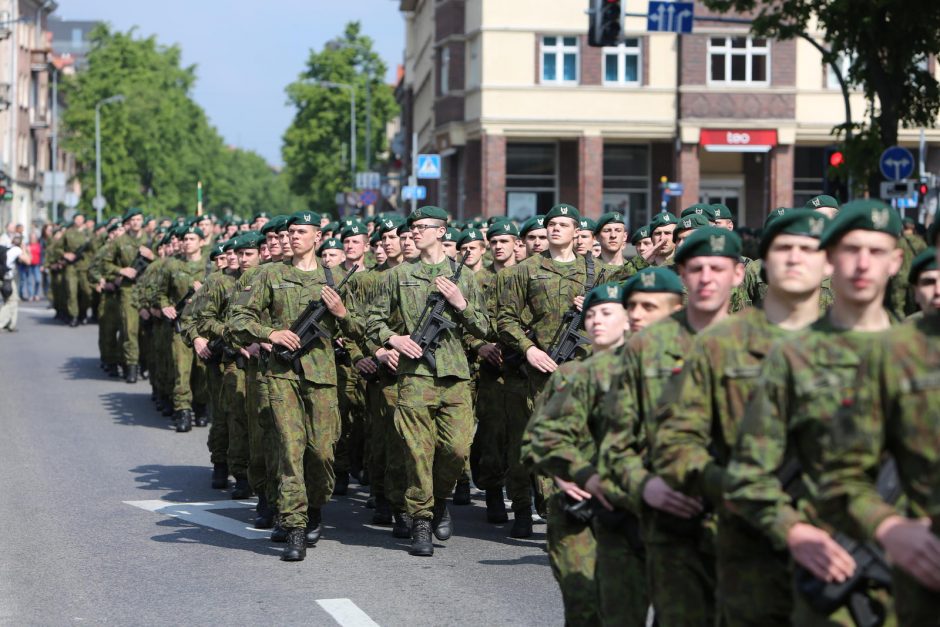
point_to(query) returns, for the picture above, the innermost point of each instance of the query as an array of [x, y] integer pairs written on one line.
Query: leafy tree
[[245, 184], [318, 136]]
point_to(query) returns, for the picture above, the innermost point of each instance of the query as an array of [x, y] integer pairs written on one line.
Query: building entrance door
[[729, 192]]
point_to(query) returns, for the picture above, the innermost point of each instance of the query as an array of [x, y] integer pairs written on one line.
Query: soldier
[[643, 243], [584, 238], [117, 267], [701, 209], [803, 382], [925, 279], [534, 237], [611, 233], [661, 230], [303, 403], [450, 242], [677, 537], [109, 318], [894, 410], [697, 429], [723, 217], [824, 204], [331, 252], [75, 250], [686, 226], [434, 413]]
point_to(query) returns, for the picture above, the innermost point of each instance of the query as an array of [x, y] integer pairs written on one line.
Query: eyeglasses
[[423, 227]]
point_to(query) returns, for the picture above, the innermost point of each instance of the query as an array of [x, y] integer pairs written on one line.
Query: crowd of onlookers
[[23, 277]]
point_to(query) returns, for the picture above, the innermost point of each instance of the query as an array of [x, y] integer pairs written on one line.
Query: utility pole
[[55, 142]]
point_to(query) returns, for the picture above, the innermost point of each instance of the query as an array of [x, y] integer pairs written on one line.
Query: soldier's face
[[664, 234], [503, 247], [583, 242], [258, 223], [221, 262], [536, 241], [427, 233], [408, 248], [681, 236], [332, 258], [612, 237], [645, 308], [606, 323], [274, 244], [205, 225], [283, 239], [133, 225], [862, 264], [724, 223], [303, 237], [79, 221], [450, 249], [379, 253], [474, 251], [561, 232], [355, 247], [795, 265], [709, 281], [248, 258], [391, 244], [927, 291], [190, 244], [232, 259], [644, 246], [264, 252]]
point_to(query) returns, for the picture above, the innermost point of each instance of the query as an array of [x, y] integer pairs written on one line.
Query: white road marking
[[346, 613], [201, 514]]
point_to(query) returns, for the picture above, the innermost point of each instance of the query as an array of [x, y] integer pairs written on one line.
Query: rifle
[[139, 264], [307, 327], [568, 337], [220, 351], [79, 253], [871, 569], [432, 323], [177, 326]]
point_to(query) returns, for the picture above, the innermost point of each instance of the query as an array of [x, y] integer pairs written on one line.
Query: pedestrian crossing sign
[[429, 166]]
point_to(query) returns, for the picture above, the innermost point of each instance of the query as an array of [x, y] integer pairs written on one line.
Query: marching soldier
[[75, 251]]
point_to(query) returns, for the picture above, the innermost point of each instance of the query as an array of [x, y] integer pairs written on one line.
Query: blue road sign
[[418, 192], [669, 17], [896, 163], [368, 197], [429, 166]]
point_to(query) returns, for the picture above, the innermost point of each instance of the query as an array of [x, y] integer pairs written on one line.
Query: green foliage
[[318, 137]]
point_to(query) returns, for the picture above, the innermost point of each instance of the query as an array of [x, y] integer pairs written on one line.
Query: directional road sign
[[669, 17], [416, 192], [368, 197], [672, 189], [896, 163], [368, 180], [429, 166]]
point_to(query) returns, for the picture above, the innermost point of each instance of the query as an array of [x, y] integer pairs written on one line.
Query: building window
[[445, 71], [739, 60], [77, 37], [531, 179], [809, 172], [845, 63], [559, 60], [473, 72], [622, 63], [626, 182]]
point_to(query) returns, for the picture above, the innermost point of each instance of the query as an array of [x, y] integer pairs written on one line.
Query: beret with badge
[[801, 221], [663, 218], [611, 217], [861, 215], [653, 279], [534, 223], [604, 293], [563, 210], [709, 241], [428, 212]]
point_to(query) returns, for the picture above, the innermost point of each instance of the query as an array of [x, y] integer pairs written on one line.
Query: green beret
[[864, 215], [563, 210], [587, 224], [451, 234], [690, 223], [191, 220], [709, 241], [477, 222], [230, 243], [113, 227], [653, 279], [194, 230], [429, 212], [722, 212], [331, 226], [375, 238], [604, 293], [822, 200], [272, 225], [130, 213], [773, 215], [249, 239], [534, 223], [640, 234], [470, 235], [502, 227], [663, 218], [330, 243], [351, 230], [611, 217], [306, 218], [908, 221], [459, 224], [404, 227], [261, 214], [236, 220], [926, 260], [216, 251], [700, 209], [390, 223], [793, 222]]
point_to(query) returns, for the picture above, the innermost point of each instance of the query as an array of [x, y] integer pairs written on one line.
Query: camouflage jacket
[[121, 254], [804, 381], [896, 409], [74, 239], [404, 290], [209, 309], [175, 280]]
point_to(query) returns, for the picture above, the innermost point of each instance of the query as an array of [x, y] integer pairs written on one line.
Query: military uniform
[[77, 241], [121, 254]]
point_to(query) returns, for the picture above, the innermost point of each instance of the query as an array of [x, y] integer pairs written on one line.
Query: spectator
[[11, 299], [6, 239], [31, 273]]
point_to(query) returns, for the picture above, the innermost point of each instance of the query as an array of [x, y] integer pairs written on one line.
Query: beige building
[[526, 114]]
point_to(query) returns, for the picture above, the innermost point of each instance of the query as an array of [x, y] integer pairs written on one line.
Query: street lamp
[[99, 203], [352, 126]]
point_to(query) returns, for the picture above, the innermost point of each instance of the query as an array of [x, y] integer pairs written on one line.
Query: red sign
[[739, 137]]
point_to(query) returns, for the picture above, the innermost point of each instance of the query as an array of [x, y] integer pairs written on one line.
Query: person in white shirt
[[11, 298]]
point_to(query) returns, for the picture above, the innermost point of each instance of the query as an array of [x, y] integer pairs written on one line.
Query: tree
[[317, 140], [246, 184], [888, 42]]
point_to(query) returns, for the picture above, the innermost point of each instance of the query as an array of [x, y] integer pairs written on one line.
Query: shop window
[[531, 178]]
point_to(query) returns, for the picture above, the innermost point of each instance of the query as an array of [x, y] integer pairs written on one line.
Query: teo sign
[[738, 140]]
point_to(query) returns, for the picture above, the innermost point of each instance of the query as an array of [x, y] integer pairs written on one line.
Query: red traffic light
[[836, 159], [3, 190], [922, 189]]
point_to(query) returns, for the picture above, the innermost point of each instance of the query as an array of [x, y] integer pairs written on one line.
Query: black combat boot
[[296, 549], [73, 322], [265, 517], [167, 406], [370, 502], [441, 523], [402, 527], [112, 370], [241, 490], [521, 524], [314, 528], [144, 373], [341, 487], [130, 374], [462, 492], [219, 476], [279, 533], [496, 507], [383, 511], [202, 415], [184, 420], [421, 544]]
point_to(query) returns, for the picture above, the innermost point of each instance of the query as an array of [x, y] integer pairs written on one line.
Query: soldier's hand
[[144, 313], [451, 291], [69, 256], [128, 273], [145, 252], [579, 302], [286, 338], [169, 312], [155, 311], [593, 486], [572, 489], [388, 358], [266, 346], [912, 546], [333, 302], [816, 551], [492, 353], [367, 366], [405, 345], [201, 345], [659, 495], [197, 285], [253, 349], [540, 360], [654, 250]]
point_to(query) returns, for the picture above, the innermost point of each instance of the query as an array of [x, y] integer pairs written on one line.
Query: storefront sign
[[738, 140]]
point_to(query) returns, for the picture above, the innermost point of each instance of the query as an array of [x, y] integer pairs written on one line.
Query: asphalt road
[[90, 473]]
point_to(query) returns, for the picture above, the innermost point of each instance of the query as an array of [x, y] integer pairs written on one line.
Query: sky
[[247, 51]]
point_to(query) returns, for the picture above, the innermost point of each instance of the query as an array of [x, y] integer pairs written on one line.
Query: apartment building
[[526, 114]]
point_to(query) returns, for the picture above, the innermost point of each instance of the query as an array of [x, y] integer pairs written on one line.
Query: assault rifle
[[308, 328], [220, 351], [177, 325], [568, 337], [432, 322], [139, 264], [79, 253]]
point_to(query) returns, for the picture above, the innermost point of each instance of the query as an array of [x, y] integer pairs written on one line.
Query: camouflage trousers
[[621, 577], [109, 325], [161, 373], [306, 417], [350, 389], [916, 605], [59, 293], [543, 487], [130, 325], [490, 442], [270, 442], [218, 430], [77, 290], [189, 374], [572, 553], [434, 419], [262, 438], [386, 454], [236, 414]]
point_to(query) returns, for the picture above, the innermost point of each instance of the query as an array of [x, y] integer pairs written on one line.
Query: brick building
[[526, 114]]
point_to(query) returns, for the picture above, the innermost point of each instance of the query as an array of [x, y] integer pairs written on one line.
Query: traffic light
[[835, 174], [604, 27], [923, 188]]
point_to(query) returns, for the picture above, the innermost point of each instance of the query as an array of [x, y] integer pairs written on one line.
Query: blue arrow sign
[[896, 163], [418, 192], [669, 17], [429, 166]]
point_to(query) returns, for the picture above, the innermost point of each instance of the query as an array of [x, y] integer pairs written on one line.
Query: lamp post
[[352, 125], [99, 199]]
